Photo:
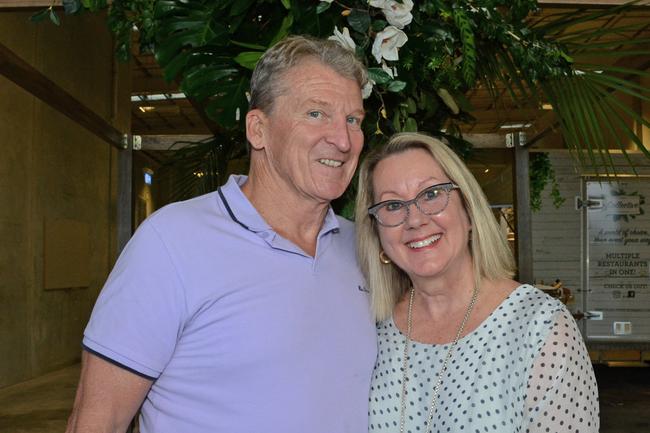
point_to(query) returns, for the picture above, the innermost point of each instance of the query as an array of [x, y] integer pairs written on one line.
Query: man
[[243, 311]]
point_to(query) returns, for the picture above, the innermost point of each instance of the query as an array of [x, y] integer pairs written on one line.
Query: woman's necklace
[[407, 343]]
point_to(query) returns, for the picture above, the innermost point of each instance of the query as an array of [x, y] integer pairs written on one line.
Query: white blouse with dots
[[524, 369]]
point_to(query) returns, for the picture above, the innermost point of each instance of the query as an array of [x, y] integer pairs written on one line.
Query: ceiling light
[[157, 97], [146, 108], [515, 125]]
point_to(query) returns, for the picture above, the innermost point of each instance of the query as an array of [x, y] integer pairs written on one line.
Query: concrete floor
[[42, 405]]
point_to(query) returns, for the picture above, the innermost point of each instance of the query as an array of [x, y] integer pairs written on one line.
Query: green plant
[[541, 174], [423, 58]]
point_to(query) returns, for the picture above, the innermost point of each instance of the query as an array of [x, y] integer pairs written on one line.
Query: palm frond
[[586, 100]]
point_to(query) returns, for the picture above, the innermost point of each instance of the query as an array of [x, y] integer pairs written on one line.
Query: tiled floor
[[624, 399], [42, 405]]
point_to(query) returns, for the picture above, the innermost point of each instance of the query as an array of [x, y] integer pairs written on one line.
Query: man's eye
[[315, 114], [393, 206], [355, 121]]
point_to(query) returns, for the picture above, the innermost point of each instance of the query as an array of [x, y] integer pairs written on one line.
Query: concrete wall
[[53, 170]]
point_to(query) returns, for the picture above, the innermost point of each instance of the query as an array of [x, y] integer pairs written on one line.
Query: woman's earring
[[384, 258]]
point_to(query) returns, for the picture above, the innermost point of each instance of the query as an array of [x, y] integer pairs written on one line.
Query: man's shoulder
[[186, 210]]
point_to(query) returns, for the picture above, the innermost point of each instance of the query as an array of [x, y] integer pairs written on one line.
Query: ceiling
[[175, 115]]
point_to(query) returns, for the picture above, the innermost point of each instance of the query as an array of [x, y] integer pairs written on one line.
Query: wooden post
[[523, 214], [125, 195]]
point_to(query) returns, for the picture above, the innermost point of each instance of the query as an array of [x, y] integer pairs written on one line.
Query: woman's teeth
[[423, 242], [330, 162]]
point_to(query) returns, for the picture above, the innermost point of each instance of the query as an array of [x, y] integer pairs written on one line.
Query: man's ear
[[256, 122]]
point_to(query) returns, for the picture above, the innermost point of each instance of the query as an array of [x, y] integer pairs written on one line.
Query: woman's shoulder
[[528, 303]]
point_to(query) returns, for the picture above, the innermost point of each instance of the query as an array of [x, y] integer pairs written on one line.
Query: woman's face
[[424, 246]]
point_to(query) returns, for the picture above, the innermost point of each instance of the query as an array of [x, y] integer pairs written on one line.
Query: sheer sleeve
[[562, 394]]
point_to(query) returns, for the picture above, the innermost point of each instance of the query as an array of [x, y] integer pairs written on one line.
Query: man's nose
[[339, 135]]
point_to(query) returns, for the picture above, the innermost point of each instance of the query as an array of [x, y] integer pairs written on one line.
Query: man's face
[[312, 137]]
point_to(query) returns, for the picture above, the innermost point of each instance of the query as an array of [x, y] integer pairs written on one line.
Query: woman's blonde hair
[[491, 256]]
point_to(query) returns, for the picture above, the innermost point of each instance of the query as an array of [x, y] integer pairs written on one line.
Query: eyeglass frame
[[447, 187]]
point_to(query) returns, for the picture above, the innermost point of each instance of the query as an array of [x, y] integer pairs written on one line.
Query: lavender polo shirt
[[241, 331]]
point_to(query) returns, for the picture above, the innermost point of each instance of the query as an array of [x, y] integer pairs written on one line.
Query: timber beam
[[23, 4], [26, 76]]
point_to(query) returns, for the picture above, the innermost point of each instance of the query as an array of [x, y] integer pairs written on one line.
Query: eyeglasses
[[429, 201]]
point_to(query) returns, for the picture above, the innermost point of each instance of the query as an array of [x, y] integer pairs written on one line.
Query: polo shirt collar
[[246, 214]]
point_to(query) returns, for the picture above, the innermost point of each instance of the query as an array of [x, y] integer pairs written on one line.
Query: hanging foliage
[[541, 175], [423, 57]]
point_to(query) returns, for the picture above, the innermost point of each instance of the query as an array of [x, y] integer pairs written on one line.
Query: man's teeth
[[330, 162], [423, 242]]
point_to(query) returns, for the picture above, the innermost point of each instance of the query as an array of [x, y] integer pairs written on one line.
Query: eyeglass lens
[[430, 201]]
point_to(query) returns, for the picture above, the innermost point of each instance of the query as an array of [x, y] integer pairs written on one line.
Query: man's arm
[[108, 397]]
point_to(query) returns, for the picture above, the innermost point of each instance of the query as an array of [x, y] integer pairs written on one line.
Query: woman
[[462, 346]]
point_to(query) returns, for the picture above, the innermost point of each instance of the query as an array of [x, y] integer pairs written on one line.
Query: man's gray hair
[[266, 83]]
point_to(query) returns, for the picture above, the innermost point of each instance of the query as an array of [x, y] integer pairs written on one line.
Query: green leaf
[[206, 81], [40, 16], [469, 49], [378, 25], [396, 86], [286, 4], [248, 59], [287, 22], [223, 109], [247, 45], [54, 17], [411, 125], [378, 75], [322, 7], [410, 106], [241, 6], [71, 6], [397, 122], [175, 66], [359, 20]]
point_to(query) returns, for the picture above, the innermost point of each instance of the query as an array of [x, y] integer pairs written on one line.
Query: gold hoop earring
[[384, 258]]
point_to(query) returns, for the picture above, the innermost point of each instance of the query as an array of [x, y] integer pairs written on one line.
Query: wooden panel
[[66, 254], [33, 81], [583, 2], [620, 355], [29, 3]]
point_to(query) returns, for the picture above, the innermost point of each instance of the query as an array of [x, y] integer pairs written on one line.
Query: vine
[[541, 173]]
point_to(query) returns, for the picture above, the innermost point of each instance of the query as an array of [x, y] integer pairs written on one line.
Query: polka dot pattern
[[524, 369]]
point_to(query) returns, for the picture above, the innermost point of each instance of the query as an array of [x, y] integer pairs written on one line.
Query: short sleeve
[[562, 394], [139, 315]]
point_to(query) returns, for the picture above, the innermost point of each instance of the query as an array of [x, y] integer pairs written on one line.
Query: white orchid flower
[[389, 71], [387, 42], [397, 14], [366, 91], [379, 4], [343, 38]]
